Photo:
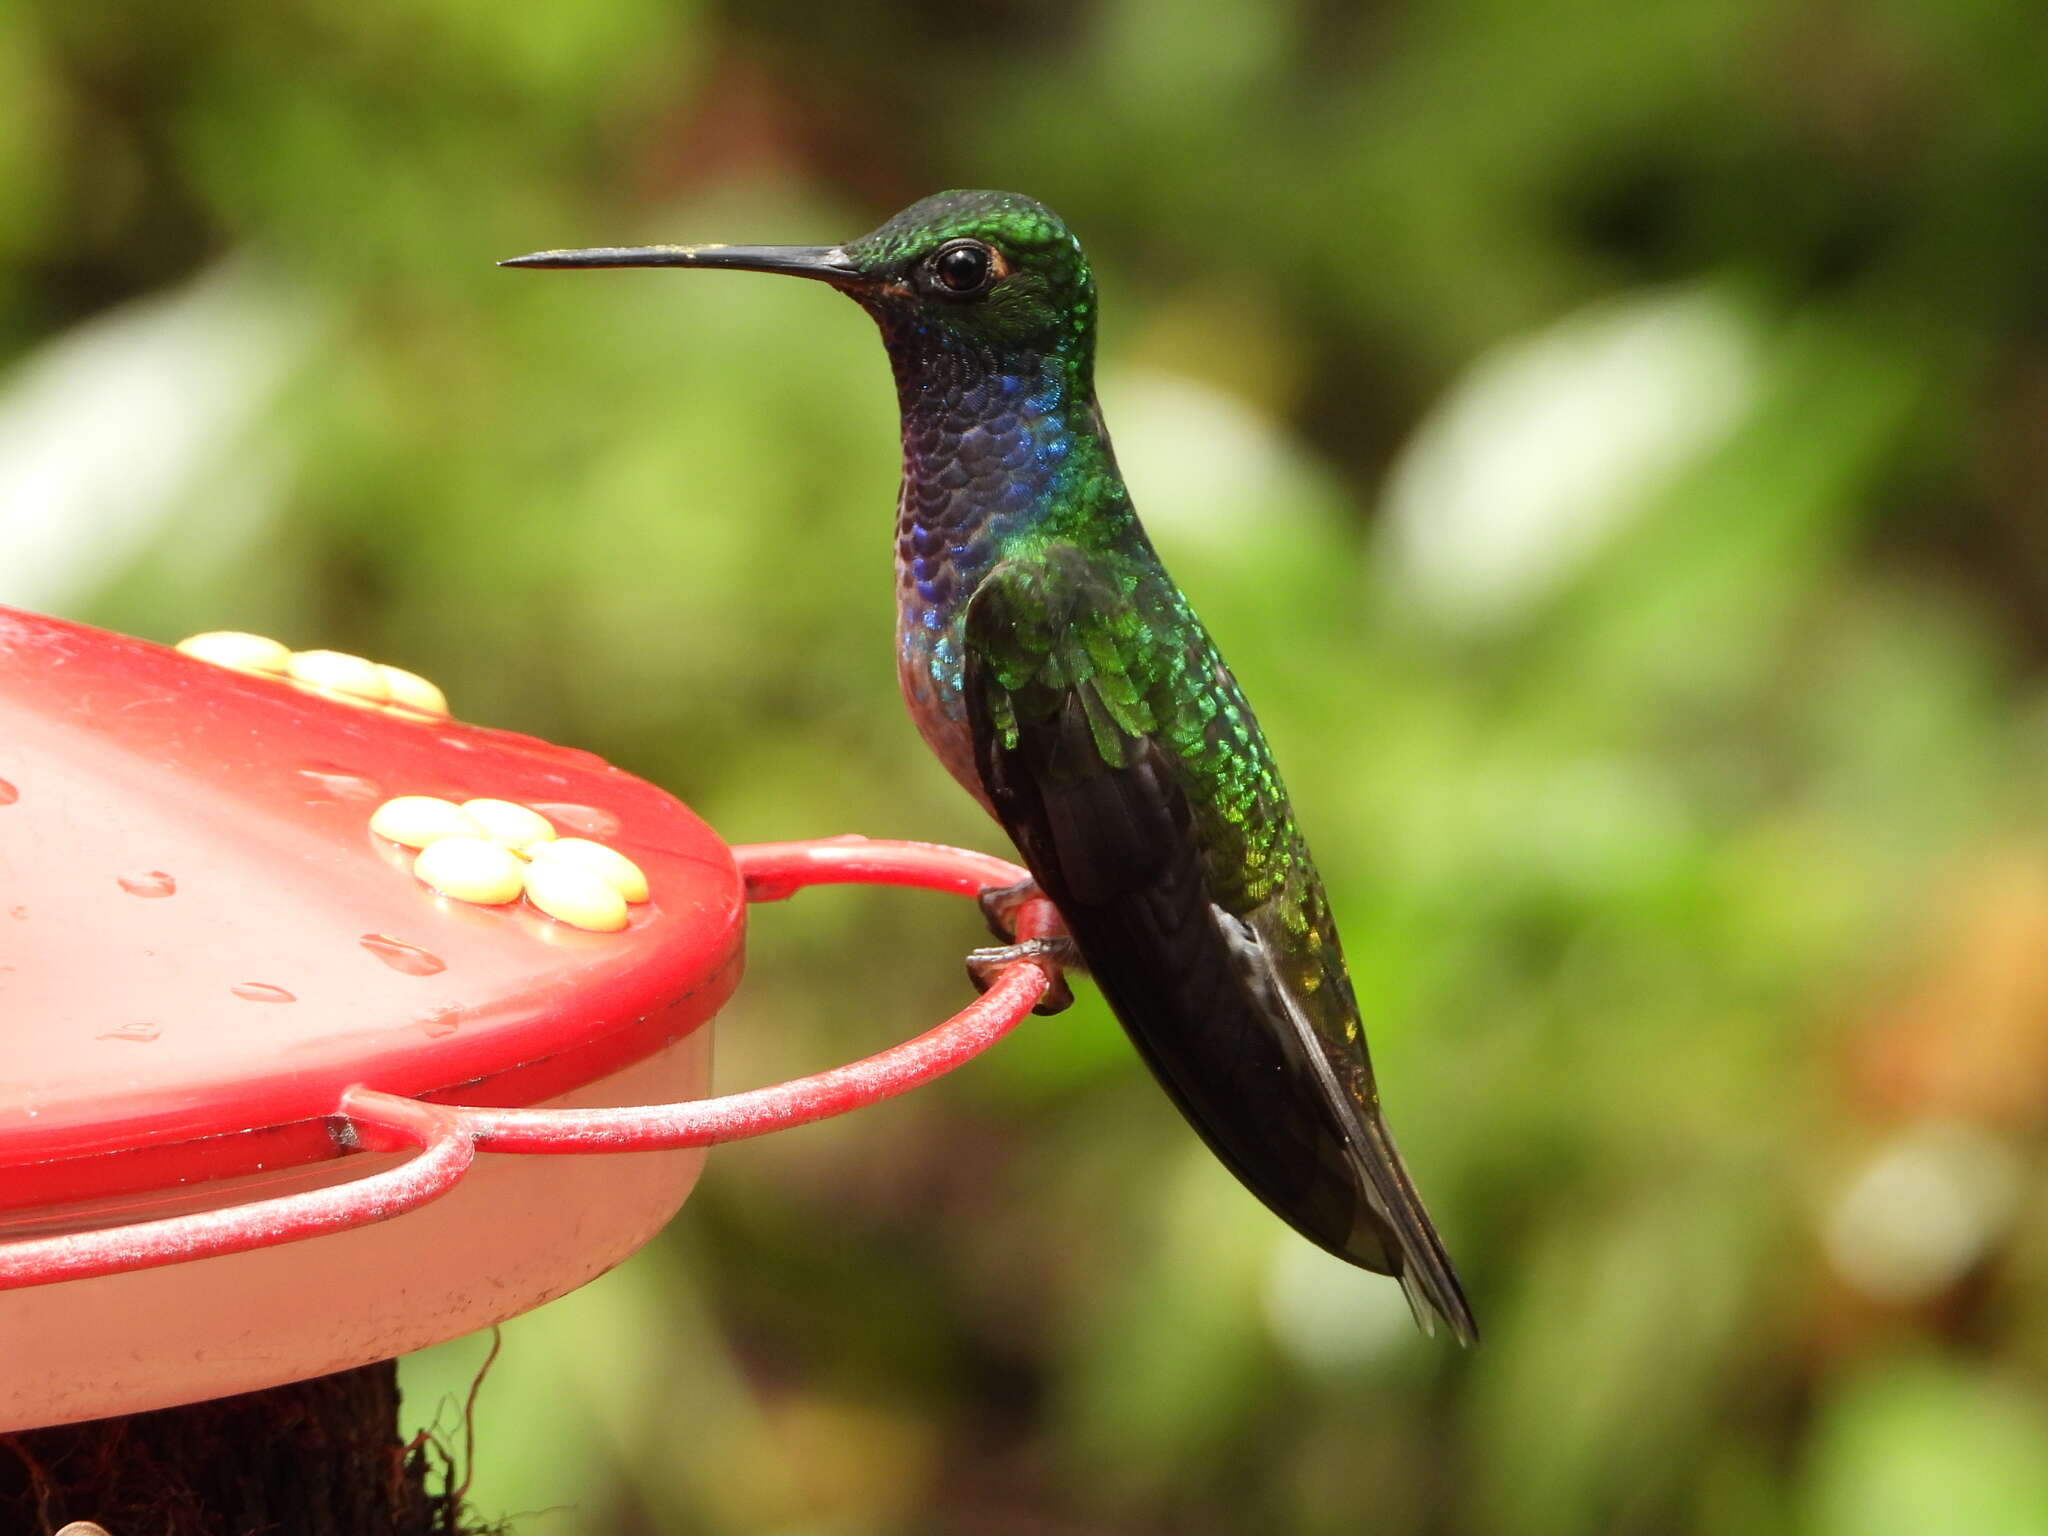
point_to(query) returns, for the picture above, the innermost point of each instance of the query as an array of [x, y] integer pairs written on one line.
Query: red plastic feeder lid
[[203, 943], [223, 968]]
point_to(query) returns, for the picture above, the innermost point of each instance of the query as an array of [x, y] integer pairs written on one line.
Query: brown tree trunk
[[315, 1458]]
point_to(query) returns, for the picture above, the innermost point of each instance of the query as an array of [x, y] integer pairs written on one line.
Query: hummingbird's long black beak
[[829, 263]]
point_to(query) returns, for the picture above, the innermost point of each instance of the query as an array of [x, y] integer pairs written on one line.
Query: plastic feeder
[[261, 1088]]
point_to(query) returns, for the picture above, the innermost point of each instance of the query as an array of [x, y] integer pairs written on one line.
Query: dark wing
[[1078, 675]]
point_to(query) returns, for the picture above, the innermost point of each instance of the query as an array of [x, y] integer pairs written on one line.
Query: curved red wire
[[446, 1152], [449, 1136], [774, 871]]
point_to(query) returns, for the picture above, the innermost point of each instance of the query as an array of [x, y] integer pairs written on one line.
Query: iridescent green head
[[982, 266], [989, 270]]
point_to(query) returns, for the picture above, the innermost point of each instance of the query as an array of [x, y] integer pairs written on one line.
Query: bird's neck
[[999, 451]]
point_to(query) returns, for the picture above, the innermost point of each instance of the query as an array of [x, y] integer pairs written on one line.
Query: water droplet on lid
[[339, 783], [137, 1032], [17, 913], [584, 820], [401, 956], [444, 1020], [151, 882], [261, 992]]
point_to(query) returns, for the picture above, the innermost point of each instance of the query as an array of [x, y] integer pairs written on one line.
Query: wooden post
[[314, 1458]]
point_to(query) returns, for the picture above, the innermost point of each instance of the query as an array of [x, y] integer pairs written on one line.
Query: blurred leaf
[[1914, 1446]]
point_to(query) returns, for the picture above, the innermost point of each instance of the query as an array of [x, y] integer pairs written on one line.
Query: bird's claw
[[1000, 904], [1056, 954]]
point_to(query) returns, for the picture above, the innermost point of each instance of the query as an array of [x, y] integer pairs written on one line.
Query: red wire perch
[[445, 1155], [774, 872], [450, 1136]]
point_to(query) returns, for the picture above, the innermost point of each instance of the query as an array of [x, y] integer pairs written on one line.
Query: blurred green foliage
[[1609, 442]]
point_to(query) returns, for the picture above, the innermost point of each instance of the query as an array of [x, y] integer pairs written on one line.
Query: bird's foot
[[1000, 904], [984, 965]]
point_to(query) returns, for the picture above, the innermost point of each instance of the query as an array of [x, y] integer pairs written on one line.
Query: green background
[[1610, 442]]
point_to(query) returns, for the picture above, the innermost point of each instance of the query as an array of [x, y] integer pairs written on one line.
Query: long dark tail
[[1420, 1263], [1227, 1040]]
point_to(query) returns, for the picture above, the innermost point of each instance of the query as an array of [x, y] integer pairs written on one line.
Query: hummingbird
[[1061, 676]]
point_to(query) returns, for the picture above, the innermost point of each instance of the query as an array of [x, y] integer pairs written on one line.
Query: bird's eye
[[963, 267]]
